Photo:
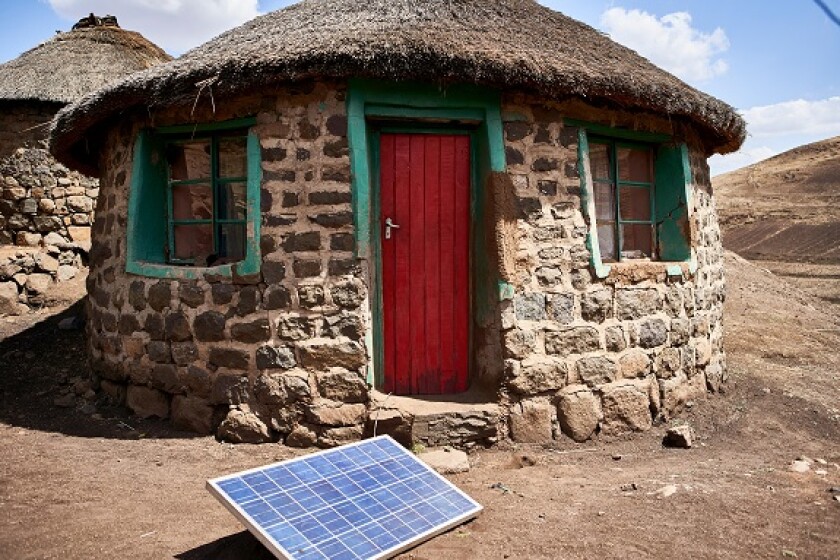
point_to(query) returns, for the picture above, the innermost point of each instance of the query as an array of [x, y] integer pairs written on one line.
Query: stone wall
[[279, 356], [45, 210], [588, 356]]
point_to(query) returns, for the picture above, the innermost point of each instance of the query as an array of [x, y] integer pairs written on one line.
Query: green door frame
[[413, 107]]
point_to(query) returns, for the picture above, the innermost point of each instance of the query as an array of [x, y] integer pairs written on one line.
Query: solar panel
[[365, 500]]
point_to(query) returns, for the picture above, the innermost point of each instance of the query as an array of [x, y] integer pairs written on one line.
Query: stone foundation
[[282, 355]]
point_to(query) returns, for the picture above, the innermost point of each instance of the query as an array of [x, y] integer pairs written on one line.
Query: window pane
[[606, 242], [188, 160], [233, 161], [635, 203], [634, 165], [604, 202], [637, 241], [232, 242], [192, 202], [232, 201], [193, 242], [599, 161]]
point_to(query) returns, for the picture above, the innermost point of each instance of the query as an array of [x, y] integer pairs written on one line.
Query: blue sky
[[776, 62]]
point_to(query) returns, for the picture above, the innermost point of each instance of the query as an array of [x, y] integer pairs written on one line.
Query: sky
[[775, 62]]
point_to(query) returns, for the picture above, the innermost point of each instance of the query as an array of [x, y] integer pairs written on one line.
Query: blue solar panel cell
[[366, 500]]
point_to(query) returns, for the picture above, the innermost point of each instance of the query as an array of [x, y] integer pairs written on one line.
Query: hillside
[[785, 212]]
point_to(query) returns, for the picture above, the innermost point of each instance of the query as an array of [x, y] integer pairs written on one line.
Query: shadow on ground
[[39, 369], [240, 546]]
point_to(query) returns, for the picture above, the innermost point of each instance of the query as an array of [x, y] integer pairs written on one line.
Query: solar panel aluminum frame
[[258, 531]]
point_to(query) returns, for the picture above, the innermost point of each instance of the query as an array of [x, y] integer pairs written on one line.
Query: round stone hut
[[457, 222], [44, 204]]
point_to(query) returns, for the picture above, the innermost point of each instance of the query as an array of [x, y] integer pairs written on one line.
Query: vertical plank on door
[[417, 295], [431, 374], [462, 258], [402, 323], [447, 265]]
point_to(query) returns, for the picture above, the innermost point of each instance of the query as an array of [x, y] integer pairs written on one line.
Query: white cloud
[[820, 117], [670, 42], [174, 25], [776, 128]]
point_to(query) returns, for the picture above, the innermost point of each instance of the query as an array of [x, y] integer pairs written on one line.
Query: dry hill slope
[[785, 211]]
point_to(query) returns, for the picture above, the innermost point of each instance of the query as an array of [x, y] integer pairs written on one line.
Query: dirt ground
[[97, 483]]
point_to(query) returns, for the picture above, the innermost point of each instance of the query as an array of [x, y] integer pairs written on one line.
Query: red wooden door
[[425, 191]]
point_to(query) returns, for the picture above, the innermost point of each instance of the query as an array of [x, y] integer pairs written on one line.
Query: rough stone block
[[529, 307], [302, 437], [229, 358], [539, 374], [348, 295], [520, 343], [147, 402], [282, 388], [614, 338], [596, 305], [653, 333], [635, 303], [578, 412], [9, 304], [562, 308], [38, 283], [324, 353], [339, 384], [255, 331], [446, 460], [209, 326], [573, 340], [241, 426], [333, 437], [626, 408], [275, 357], [327, 413], [635, 363], [531, 422], [595, 370], [192, 414]]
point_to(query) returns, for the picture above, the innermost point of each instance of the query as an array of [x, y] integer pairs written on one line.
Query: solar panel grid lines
[[366, 500]]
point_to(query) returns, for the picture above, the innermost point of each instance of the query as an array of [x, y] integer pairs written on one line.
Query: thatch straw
[[74, 64], [509, 44]]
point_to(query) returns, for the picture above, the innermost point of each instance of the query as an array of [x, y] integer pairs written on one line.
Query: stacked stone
[[40, 197], [278, 356], [46, 210], [588, 356]]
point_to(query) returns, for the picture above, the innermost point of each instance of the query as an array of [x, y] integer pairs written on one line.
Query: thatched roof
[[513, 44], [71, 65]]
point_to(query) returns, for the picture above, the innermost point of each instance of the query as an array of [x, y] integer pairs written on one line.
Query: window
[[623, 181], [206, 198], [194, 201], [636, 193]]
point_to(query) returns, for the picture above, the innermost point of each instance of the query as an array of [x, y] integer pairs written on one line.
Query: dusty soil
[[97, 483], [785, 212]]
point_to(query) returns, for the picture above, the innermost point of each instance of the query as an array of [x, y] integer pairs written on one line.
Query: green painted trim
[[144, 254], [201, 128], [464, 115], [587, 201], [369, 101], [623, 133], [506, 290], [373, 98]]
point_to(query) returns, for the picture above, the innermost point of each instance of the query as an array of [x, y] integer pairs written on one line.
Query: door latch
[[389, 224]]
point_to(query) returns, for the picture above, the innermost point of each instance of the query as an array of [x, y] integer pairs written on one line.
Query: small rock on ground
[[446, 460], [679, 436], [800, 466]]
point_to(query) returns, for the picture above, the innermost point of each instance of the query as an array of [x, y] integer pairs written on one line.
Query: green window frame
[[671, 200], [151, 217]]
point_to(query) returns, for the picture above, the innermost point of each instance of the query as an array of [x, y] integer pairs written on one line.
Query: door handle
[[389, 225]]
